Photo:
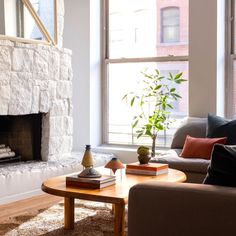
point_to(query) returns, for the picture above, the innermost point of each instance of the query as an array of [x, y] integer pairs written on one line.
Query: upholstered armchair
[[181, 209]]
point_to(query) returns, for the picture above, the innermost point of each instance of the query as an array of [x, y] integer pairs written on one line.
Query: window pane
[[170, 16], [125, 78], [45, 10], [170, 25], [30, 28], [135, 28], [170, 34]]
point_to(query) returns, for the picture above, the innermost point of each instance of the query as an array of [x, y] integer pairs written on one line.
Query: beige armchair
[[181, 209]]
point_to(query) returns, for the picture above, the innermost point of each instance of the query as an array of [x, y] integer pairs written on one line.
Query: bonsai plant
[[155, 103]]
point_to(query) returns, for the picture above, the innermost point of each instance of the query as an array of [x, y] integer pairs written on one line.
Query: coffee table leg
[[119, 226], [69, 213], [113, 209]]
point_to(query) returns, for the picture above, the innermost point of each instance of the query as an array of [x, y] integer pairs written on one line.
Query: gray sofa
[[194, 168], [181, 209]]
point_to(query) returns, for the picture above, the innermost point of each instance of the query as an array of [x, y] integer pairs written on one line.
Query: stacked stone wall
[[38, 79]]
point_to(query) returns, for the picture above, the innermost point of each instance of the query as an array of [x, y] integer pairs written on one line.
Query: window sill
[[124, 153], [172, 44]]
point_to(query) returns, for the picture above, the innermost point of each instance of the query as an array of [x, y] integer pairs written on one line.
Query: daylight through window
[[143, 34]]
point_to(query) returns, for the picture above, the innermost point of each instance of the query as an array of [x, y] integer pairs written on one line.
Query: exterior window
[[27, 27], [133, 44], [170, 25]]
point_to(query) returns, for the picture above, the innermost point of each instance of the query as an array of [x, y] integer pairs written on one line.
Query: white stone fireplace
[[37, 79]]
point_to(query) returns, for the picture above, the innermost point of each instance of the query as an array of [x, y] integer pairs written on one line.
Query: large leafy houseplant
[[154, 102]]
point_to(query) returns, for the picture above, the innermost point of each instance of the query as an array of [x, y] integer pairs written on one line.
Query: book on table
[[94, 183], [146, 169]]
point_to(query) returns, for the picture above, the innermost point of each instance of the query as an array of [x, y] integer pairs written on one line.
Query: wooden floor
[[30, 204]]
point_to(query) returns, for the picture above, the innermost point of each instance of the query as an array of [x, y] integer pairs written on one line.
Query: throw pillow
[[222, 169], [219, 127], [200, 147]]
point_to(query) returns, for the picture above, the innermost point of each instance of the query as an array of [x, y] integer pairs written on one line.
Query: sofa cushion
[[172, 158], [222, 169], [200, 147], [220, 127], [193, 126]]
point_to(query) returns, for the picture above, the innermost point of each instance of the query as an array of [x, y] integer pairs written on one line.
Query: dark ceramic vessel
[[144, 159]]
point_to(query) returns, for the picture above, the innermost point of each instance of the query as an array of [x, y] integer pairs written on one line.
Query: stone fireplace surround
[[38, 79]]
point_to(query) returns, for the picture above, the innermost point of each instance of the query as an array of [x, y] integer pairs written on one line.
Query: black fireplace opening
[[21, 135]]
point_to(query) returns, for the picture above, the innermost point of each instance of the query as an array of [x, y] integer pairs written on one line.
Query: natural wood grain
[[119, 223], [111, 194], [23, 40], [116, 194], [69, 212], [30, 204]]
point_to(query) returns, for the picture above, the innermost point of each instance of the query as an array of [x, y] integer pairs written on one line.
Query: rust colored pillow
[[200, 147]]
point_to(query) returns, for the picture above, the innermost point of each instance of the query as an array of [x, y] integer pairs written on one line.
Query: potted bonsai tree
[[155, 103]]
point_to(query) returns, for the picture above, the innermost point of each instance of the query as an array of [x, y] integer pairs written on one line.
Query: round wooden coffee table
[[116, 194]]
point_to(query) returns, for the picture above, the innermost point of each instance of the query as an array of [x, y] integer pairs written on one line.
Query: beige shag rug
[[91, 219]]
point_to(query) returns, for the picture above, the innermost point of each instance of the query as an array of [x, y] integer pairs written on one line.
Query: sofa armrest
[[167, 209], [193, 126]]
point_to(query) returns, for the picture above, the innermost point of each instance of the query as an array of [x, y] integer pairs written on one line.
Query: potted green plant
[[154, 104], [143, 154]]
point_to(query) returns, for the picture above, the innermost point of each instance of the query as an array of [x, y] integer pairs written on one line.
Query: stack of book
[[94, 183], [146, 169]]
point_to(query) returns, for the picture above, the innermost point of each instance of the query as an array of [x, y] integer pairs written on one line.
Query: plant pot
[[144, 159]]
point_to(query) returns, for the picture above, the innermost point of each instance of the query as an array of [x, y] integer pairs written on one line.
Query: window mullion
[[147, 59], [106, 28], [232, 25]]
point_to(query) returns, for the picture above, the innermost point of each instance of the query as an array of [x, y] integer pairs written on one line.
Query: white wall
[[206, 57], [95, 73], [206, 63], [82, 36], [202, 63]]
